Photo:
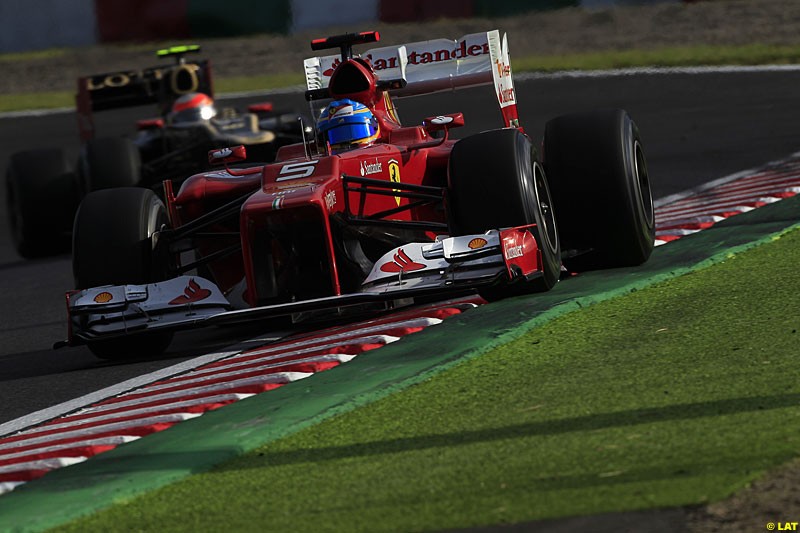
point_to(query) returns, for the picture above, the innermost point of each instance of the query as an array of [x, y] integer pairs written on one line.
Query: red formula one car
[[369, 214]]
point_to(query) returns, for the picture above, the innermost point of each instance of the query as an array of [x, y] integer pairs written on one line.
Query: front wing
[[411, 271]]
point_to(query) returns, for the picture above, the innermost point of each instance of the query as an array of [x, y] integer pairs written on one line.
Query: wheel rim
[[642, 184], [157, 221], [545, 207]]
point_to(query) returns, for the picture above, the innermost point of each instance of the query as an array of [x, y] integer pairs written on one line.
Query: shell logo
[[103, 298], [476, 243]]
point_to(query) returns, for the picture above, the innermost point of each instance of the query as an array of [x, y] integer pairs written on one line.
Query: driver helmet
[[348, 124], [192, 107]]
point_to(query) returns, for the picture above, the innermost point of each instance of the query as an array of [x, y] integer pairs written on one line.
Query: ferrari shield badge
[[394, 175]]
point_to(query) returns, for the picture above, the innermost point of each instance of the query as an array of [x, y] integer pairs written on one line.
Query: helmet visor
[[350, 133], [194, 114]]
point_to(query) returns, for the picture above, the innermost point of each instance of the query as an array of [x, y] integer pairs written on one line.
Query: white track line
[[56, 411], [654, 71], [155, 402]]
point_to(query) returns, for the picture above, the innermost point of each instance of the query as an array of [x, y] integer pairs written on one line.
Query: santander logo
[[371, 168], [401, 263], [419, 56]]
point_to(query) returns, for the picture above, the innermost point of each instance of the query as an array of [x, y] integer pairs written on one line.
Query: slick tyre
[[41, 199], [495, 181], [113, 244], [110, 162], [599, 180]]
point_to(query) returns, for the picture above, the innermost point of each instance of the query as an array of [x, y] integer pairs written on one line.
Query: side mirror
[[443, 122], [263, 107], [227, 156], [150, 124], [391, 85]]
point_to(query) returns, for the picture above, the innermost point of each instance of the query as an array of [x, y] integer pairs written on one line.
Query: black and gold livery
[[44, 189]]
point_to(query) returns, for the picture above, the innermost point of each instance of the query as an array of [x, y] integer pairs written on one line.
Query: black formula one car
[[43, 189], [368, 214]]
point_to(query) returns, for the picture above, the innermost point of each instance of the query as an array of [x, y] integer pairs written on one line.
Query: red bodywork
[[301, 207]]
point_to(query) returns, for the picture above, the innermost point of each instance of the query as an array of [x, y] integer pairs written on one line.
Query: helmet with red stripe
[[192, 107]]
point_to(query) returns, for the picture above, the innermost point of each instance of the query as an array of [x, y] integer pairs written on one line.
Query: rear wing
[[435, 65], [155, 85]]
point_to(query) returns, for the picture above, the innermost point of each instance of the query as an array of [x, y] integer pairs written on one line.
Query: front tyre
[[113, 244], [495, 181]]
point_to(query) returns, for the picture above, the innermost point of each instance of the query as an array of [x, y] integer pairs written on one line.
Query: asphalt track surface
[[696, 128]]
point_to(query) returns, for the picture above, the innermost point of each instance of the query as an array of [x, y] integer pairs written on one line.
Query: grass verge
[[11, 57], [754, 54], [677, 394]]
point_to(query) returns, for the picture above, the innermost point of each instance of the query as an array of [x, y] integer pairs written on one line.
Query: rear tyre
[[600, 183], [496, 182], [113, 245], [41, 199], [110, 162]]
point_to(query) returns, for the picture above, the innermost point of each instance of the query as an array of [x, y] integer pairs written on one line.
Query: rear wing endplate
[[155, 85], [436, 65]]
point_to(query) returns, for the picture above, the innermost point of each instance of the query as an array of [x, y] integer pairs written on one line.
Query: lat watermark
[[782, 526]]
